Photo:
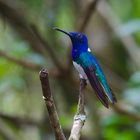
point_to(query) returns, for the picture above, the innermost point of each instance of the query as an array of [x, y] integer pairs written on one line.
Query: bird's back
[[96, 77]]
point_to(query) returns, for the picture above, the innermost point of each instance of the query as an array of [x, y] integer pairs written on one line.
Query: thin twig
[[23, 63], [47, 96], [80, 117], [81, 102]]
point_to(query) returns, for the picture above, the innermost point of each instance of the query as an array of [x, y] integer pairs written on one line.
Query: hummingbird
[[88, 67]]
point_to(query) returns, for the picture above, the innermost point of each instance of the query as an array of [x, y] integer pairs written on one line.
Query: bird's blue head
[[79, 42]]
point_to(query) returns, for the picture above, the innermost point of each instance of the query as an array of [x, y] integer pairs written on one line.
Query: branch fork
[[79, 118]]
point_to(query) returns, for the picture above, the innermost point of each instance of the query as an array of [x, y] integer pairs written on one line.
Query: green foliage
[[136, 8], [120, 128], [123, 13]]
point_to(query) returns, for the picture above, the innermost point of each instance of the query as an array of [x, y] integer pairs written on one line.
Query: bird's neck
[[76, 51]]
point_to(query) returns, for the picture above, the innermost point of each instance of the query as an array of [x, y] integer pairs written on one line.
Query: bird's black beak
[[67, 33]]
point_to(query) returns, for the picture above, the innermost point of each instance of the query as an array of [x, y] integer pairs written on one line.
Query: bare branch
[[30, 65], [80, 117], [87, 15], [18, 120], [47, 96], [122, 111], [22, 63]]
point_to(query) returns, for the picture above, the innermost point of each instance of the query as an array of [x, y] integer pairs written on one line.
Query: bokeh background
[[28, 43]]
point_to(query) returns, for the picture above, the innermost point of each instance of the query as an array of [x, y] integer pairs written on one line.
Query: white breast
[[80, 70]]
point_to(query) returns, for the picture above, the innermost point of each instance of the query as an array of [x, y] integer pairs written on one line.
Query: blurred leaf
[[119, 128], [66, 121], [136, 8], [135, 80], [34, 4], [64, 19], [123, 13], [130, 27], [131, 94]]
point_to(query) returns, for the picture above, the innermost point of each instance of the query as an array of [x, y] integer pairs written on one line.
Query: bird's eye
[[79, 37]]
